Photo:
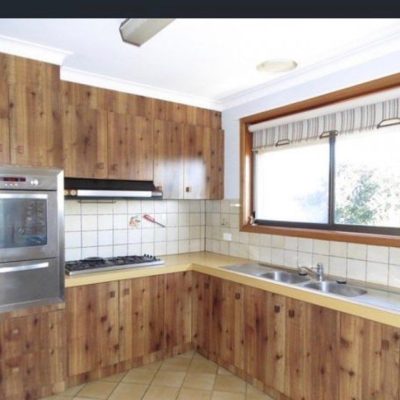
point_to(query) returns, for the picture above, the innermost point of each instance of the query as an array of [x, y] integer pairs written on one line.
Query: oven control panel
[[25, 183]]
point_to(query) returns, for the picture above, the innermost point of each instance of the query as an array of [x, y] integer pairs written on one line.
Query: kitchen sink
[[249, 269], [285, 277], [335, 288]]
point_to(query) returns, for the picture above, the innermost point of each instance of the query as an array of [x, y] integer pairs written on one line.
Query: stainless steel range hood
[[77, 188]]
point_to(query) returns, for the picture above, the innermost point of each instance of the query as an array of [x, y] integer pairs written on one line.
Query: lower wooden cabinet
[[119, 325], [32, 355], [292, 349]]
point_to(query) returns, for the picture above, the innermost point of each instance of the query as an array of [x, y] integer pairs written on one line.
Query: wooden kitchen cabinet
[[130, 147], [92, 330], [35, 125], [4, 123], [168, 159], [141, 327], [203, 162], [33, 355], [85, 142], [178, 313]]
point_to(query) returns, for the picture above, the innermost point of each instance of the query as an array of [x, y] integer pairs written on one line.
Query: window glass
[[292, 183], [367, 182]]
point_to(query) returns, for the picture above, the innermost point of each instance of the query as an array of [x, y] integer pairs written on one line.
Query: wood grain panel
[[92, 326], [276, 333], [215, 163], [35, 126], [178, 313], [256, 335], [142, 319], [168, 160], [130, 147], [4, 123], [85, 142], [201, 317]]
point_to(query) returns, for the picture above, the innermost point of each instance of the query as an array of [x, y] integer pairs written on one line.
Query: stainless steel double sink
[[298, 280]]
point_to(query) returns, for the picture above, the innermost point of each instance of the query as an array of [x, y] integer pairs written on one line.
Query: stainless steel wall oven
[[31, 236]]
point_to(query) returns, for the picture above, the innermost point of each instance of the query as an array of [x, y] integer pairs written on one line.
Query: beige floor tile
[[223, 371], [153, 366], [253, 393], [194, 394], [97, 390], [226, 383], [227, 396], [168, 378], [199, 381], [180, 364], [161, 393], [72, 391], [128, 391], [188, 354], [202, 365], [57, 397], [139, 375], [114, 378]]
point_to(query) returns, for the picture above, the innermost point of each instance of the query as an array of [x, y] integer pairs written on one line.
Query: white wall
[[230, 118]]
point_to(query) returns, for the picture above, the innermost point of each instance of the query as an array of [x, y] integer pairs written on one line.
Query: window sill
[[339, 236]]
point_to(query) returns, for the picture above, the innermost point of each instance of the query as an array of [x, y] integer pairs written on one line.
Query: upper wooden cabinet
[[203, 162], [130, 147], [85, 142], [4, 124], [98, 133], [35, 125], [168, 159]]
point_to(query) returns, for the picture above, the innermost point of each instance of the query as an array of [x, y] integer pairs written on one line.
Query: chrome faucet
[[318, 271]]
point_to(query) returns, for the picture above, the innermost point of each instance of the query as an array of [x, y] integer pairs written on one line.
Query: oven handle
[[23, 196], [24, 267]]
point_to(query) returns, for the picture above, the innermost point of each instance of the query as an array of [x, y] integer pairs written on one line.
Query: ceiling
[[205, 62]]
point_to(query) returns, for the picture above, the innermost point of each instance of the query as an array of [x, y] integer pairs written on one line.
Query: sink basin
[[249, 269], [285, 277], [335, 288]]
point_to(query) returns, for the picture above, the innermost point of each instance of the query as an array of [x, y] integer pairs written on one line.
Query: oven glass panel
[[23, 222]]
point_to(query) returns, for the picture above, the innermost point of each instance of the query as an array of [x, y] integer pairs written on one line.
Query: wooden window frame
[[247, 172]]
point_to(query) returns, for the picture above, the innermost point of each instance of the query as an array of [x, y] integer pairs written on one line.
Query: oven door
[[28, 225]]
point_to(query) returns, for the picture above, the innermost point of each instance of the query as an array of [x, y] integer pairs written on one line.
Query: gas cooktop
[[97, 264]]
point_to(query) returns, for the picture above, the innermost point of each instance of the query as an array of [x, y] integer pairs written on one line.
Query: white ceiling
[[206, 62]]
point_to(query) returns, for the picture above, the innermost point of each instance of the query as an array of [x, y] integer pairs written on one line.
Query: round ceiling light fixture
[[277, 65]]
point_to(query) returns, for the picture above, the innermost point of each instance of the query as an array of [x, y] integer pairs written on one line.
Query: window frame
[[347, 233]]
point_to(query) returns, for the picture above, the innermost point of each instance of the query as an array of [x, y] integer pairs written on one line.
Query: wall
[[102, 228], [230, 118], [372, 264]]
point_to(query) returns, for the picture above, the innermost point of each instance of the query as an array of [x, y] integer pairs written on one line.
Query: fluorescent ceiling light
[[139, 30], [388, 122], [276, 66]]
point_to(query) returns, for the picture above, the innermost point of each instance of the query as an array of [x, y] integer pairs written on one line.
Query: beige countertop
[[212, 264]]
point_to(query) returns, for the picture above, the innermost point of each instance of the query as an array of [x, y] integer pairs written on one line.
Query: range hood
[[77, 188]]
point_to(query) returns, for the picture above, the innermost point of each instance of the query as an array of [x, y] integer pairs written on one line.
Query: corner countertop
[[384, 309]]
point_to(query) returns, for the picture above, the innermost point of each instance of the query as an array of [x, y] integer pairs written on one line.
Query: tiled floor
[[185, 377]]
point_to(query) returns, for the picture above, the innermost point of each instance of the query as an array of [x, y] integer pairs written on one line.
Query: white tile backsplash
[[375, 264], [102, 229]]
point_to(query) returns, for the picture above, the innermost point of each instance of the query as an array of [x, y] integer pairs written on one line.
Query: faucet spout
[[317, 272]]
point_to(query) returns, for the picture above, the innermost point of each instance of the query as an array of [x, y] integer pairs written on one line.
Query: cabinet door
[[85, 142], [369, 360], [227, 333], [168, 158], [4, 124], [92, 327], [178, 313], [201, 314], [142, 319], [203, 163], [130, 147], [35, 126]]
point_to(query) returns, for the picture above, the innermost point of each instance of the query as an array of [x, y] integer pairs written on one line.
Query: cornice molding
[[22, 48]]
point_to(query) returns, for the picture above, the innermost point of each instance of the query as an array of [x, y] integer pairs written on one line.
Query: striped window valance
[[363, 118]]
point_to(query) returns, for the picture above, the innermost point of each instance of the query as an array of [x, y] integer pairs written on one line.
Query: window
[[343, 182]]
